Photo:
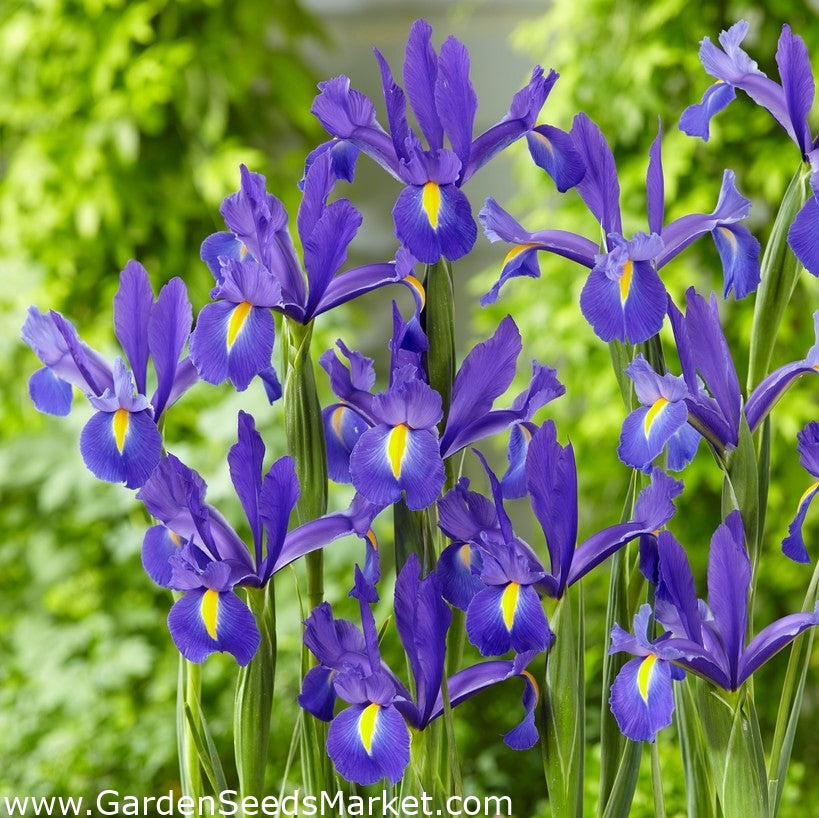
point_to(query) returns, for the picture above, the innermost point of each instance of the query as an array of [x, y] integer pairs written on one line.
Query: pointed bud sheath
[[254, 697], [305, 440], [438, 322], [779, 272]]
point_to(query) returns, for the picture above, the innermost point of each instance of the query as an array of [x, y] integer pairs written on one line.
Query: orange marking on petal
[[237, 321], [431, 203], [372, 539], [418, 287], [122, 419], [546, 142], [517, 250], [532, 681], [730, 237], [465, 553], [335, 420]]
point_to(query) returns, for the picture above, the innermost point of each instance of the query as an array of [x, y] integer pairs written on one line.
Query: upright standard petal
[[132, 308]]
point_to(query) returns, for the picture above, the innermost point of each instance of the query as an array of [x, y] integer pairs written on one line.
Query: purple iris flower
[[623, 297], [706, 400], [793, 545], [256, 269], [196, 550], [498, 578], [789, 103], [369, 740], [433, 218], [706, 639], [387, 444], [121, 441]]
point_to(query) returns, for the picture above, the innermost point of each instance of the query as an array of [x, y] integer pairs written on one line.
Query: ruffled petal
[[49, 393], [642, 700]]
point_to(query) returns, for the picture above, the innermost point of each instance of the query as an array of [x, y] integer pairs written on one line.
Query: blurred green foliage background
[[122, 125]]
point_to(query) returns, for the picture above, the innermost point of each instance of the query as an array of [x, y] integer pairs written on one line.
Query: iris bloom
[[789, 102], [256, 269], [793, 545], [706, 639], [433, 218], [706, 400], [196, 551], [623, 297], [370, 738], [499, 579], [388, 443], [121, 442]]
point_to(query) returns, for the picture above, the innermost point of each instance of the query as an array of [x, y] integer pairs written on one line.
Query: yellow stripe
[[644, 675], [397, 447], [805, 495], [625, 280], [210, 611], [335, 420], [431, 203], [418, 287], [547, 142], [372, 539], [517, 250], [509, 603], [175, 539], [366, 725], [652, 413], [122, 418], [730, 237], [465, 553], [237, 321]]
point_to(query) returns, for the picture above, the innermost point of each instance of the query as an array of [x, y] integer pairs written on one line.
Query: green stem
[[438, 322], [657, 782], [254, 698], [779, 273], [189, 697]]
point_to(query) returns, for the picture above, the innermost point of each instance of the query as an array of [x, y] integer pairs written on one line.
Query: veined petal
[[132, 307], [641, 698], [158, 546], [49, 393], [221, 244], [204, 621], [360, 280], [696, 119], [797, 83], [343, 426], [739, 252], [460, 581], [793, 545], [513, 482], [803, 236], [232, 341], [390, 459], [121, 446], [655, 184], [420, 73], [647, 430], [318, 696], [455, 98], [465, 515], [553, 150], [435, 220], [368, 742], [507, 617]]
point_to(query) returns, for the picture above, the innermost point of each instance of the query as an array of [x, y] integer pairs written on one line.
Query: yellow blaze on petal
[[526, 433], [517, 250], [546, 142], [418, 287], [465, 553], [729, 237], [805, 495], [237, 321], [509, 603], [121, 420], [210, 611], [652, 413], [366, 725], [644, 675], [431, 203], [175, 538], [397, 447], [335, 420], [625, 280], [242, 251]]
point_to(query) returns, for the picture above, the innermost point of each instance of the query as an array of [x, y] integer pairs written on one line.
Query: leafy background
[[122, 125]]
